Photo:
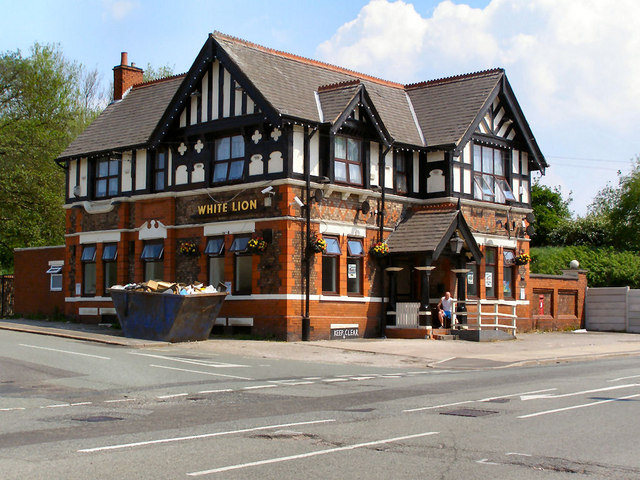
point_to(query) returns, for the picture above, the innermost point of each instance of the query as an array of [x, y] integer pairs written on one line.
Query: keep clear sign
[[351, 271]]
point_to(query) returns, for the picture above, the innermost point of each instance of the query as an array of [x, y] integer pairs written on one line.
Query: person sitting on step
[[444, 310]]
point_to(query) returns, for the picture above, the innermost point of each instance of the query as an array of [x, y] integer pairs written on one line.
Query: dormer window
[[489, 181], [229, 159], [347, 166]]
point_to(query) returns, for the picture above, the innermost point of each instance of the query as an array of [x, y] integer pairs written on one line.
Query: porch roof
[[429, 232]]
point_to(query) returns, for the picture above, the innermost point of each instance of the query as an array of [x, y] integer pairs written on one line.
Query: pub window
[[160, 170], [508, 274], [215, 252], [489, 182], [107, 177], [401, 173], [153, 258], [472, 280], [88, 260], [347, 167], [55, 280], [490, 272], [228, 159], [242, 266], [109, 257], [355, 253], [330, 262]]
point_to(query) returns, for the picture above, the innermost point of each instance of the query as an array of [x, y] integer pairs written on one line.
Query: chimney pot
[[125, 76], [124, 58]]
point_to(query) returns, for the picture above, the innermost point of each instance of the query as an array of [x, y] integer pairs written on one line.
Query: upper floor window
[[401, 173], [107, 178], [229, 159], [160, 170], [347, 167], [489, 175]]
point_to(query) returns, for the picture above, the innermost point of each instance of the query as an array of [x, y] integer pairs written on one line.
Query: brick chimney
[[125, 76]]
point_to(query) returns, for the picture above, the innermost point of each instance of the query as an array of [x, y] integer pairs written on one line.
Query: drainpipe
[[306, 321], [382, 324]]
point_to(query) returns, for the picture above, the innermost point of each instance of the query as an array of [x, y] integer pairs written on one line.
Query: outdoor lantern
[[456, 243]]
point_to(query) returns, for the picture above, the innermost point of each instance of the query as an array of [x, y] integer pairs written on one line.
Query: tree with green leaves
[[45, 101], [153, 73], [550, 209]]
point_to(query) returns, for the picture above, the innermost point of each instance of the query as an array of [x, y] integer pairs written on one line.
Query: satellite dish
[[530, 217], [530, 231], [365, 207], [318, 195]]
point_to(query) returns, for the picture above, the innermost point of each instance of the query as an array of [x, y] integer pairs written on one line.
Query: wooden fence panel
[[606, 309]]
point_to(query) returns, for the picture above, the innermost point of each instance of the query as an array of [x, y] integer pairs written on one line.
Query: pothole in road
[[469, 412], [97, 418]]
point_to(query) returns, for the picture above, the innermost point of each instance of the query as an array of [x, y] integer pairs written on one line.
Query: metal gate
[[6, 295]]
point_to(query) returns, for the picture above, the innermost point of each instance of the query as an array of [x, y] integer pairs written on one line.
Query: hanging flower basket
[[257, 245], [522, 259], [317, 244], [187, 248], [379, 250]]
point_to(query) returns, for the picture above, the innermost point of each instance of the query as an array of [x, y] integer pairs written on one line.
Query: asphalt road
[[77, 410]]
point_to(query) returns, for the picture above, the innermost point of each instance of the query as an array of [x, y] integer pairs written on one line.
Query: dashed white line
[[80, 403], [623, 378], [563, 395], [201, 372], [204, 435], [59, 405], [331, 380], [519, 454], [517, 394], [221, 390], [65, 351], [307, 455], [256, 387], [546, 412], [439, 406], [205, 363], [174, 395], [485, 461], [11, 409], [120, 400], [312, 378]]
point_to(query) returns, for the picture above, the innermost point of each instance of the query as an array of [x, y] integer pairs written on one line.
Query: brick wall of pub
[[32, 292]]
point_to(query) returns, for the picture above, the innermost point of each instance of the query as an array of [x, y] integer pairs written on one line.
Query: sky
[[573, 64]]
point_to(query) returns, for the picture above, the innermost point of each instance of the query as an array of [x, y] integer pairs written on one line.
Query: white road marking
[[439, 406], [80, 403], [623, 378], [66, 351], [443, 360], [173, 395], [517, 394], [362, 378], [312, 378], [203, 373], [192, 362], [474, 401], [572, 394], [519, 454], [331, 380], [216, 391], [120, 400], [11, 409], [578, 406], [485, 461], [307, 455], [204, 435], [60, 405], [256, 387]]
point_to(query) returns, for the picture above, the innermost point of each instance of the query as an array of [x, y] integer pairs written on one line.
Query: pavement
[[527, 349]]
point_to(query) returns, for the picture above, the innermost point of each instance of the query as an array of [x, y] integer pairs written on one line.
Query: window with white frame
[[489, 178], [55, 280], [347, 166]]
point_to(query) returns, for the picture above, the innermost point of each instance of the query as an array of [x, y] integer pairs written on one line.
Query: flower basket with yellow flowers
[[379, 250], [317, 244], [188, 248], [257, 245], [522, 259]]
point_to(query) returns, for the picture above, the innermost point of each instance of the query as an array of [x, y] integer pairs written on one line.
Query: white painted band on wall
[[99, 237], [87, 311], [231, 228], [344, 325]]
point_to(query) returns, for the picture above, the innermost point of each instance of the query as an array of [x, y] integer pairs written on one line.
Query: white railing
[[487, 314], [489, 318]]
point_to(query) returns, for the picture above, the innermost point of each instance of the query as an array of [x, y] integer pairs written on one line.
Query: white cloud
[[118, 9], [574, 58], [573, 64]]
